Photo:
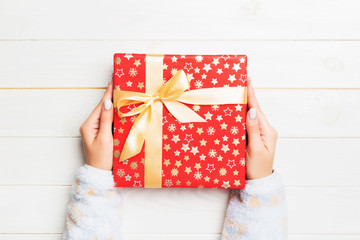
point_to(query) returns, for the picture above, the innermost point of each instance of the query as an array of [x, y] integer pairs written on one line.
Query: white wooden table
[[56, 59]]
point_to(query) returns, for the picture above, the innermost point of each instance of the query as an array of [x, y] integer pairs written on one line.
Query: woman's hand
[[96, 133], [262, 139]]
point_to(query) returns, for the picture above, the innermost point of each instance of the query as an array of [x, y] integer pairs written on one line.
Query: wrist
[[97, 170], [259, 175], [103, 165], [264, 185]]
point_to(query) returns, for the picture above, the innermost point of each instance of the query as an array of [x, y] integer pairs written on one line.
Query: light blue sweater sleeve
[[94, 208], [259, 211]]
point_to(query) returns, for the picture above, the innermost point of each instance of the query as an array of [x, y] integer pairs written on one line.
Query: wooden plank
[[295, 113], [324, 237], [43, 211], [31, 236], [161, 19], [271, 64], [40, 161], [174, 237], [318, 162], [312, 210], [36, 115], [302, 162]]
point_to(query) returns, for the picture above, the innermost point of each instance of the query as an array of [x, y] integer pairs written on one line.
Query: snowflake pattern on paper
[[208, 155]]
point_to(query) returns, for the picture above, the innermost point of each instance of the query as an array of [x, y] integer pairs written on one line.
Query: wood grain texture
[[303, 58], [313, 113], [312, 210], [300, 161], [271, 64], [180, 20]]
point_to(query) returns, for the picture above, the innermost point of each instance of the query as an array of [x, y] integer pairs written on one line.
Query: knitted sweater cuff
[[97, 171], [100, 180], [265, 185]]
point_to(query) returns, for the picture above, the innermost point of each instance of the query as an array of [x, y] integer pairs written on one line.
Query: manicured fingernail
[[107, 104], [252, 113]]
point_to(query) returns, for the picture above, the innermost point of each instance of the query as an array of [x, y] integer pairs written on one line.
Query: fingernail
[[107, 104], [252, 113]]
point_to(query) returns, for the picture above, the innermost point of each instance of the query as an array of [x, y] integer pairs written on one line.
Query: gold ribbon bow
[[148, 125]]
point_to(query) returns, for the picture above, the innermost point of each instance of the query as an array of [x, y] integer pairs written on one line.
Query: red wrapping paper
[[197, 154]]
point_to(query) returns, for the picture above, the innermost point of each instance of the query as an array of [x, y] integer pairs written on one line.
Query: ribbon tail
[[136, 138], [182, 112], [221, 95]]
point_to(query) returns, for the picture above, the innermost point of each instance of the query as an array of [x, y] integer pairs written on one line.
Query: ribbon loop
[[176, 86]]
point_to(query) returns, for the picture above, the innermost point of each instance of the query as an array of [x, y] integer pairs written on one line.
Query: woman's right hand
[[262, 137], [96, 133]]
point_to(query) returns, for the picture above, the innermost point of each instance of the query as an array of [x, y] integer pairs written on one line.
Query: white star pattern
[[208, 116], [231, 163], [232, 78], [242, 161], [225, 148], [226, 184], [188, 138], [119, 73], [137, 184], [198, 175], [207, 67], [236, 67], [210, 167], [210, 143], [243, 77], [238, 107], [128, 177], [228, 111], [211, 130], [215, 107], [225, 57], [199, 58], [174, 59], [212, 153], [128, 56], [216, 61], [185, 147], [188, 66], [234, 130], [132, 72], [194, 150], [198, 84], [175, 138]]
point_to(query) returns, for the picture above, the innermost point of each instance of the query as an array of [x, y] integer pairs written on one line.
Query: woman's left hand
[[96, 133]]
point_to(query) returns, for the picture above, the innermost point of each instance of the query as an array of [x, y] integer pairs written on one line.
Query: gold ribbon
[[148, 125]]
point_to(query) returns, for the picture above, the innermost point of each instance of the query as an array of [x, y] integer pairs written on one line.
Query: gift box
[[179, 121]]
